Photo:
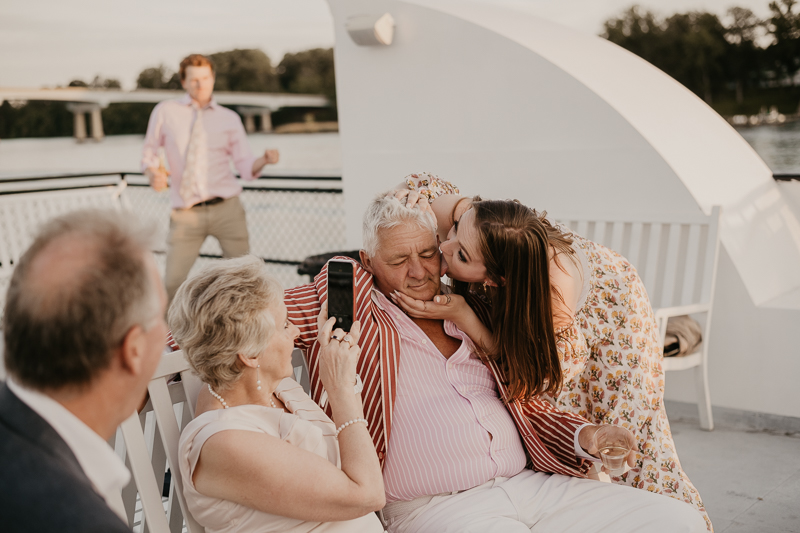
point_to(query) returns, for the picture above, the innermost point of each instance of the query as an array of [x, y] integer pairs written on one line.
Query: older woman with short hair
[[260, 455]]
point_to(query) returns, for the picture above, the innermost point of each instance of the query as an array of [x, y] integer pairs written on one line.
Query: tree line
[[737, 63], [251, 70]]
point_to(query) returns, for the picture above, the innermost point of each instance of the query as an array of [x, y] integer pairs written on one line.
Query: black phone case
[[341, 301]]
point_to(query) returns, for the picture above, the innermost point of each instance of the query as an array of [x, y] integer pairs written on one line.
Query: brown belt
[[212, 201]]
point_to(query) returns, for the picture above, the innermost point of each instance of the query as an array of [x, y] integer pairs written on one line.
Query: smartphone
[[341, 301]]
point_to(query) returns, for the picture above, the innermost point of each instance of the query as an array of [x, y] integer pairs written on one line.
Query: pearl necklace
[[225, 404]]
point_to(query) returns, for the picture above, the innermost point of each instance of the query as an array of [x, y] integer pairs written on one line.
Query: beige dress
[[306, 427]]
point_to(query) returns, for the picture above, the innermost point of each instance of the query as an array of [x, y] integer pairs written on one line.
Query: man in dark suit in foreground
[[84, 331]]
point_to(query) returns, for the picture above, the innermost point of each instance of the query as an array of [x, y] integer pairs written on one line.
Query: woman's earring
[[485, 284], [258, 378]]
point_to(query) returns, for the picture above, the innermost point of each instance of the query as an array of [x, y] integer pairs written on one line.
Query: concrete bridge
[[83, 101]]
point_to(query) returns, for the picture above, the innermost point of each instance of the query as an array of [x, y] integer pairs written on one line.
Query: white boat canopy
[[506, 104]]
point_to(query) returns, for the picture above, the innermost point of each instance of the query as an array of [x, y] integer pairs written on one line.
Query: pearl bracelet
[[350, 423]]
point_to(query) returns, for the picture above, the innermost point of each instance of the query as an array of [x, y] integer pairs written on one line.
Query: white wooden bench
[[677, 261], [149, 448]]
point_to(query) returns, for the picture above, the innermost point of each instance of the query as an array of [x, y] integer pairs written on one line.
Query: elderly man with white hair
[[455, 455]]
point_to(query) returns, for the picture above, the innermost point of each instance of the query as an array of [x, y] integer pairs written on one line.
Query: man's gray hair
[[386, 211], [223, 312], [61, 333]]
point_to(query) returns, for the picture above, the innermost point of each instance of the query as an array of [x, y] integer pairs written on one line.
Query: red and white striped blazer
[[548, 434]]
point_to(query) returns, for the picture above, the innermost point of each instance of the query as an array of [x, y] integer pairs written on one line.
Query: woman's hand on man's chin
[[442, 307]]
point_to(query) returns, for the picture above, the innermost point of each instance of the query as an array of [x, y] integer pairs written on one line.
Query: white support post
[[79, 111], [266, 121], [249, 118], [249, 123], [97, 124], [79, 121]]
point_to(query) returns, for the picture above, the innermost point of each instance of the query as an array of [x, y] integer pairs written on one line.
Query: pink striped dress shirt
[[452, 402], [170, 127]]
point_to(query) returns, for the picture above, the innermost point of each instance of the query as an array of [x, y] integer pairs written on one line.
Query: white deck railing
[[288, 218]]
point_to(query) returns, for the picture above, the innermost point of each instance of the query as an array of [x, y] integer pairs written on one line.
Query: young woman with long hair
[[569, 319]]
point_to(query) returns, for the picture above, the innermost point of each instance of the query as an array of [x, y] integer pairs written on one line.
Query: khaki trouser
[[188, 228]]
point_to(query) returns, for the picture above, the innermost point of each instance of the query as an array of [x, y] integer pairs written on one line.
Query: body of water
[[778, 145], [302, 154], [315, 154]]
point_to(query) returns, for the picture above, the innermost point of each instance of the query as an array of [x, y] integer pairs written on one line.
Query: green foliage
[[244, 70], [743, 27], [309, 72], [97, 83], [126, 118], [35, 119], [52, 119], [716, 59], [784, 26], [757, 99], [700, 40], [290, 115], [744, 58], [688, 46], [158, 78], [637, 31]]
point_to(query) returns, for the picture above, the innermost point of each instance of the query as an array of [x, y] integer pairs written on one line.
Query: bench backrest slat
[[674, 258], [173, 406]]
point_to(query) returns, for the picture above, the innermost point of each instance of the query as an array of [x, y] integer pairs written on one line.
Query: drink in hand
[[161, 184], [613, 444], [613, 457]]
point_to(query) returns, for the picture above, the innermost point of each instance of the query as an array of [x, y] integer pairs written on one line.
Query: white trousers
[[533, 501]]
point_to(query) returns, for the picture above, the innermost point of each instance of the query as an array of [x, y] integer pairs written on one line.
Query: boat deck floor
[[749, 480]]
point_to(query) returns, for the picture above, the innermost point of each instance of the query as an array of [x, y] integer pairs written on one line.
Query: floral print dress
[[611, 361], [613, 373]]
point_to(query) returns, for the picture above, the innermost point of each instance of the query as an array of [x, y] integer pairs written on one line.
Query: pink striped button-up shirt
[[451, 431], [170, 127]]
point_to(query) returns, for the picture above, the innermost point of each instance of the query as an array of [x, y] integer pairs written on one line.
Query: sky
[[45, 43]]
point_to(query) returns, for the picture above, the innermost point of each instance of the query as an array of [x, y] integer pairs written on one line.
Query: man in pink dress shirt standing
[[200, 138]]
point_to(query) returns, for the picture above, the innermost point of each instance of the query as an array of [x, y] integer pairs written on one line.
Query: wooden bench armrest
[[679, 310]]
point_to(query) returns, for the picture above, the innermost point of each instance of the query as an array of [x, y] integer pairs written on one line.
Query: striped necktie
[[195, 172]]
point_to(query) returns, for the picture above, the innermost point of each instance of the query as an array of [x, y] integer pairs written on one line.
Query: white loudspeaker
[[370, 30]]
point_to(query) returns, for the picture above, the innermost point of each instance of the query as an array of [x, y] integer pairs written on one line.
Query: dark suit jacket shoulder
[[42, 486]]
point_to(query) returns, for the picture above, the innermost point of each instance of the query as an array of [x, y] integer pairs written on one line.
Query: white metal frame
[[677, 261]]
